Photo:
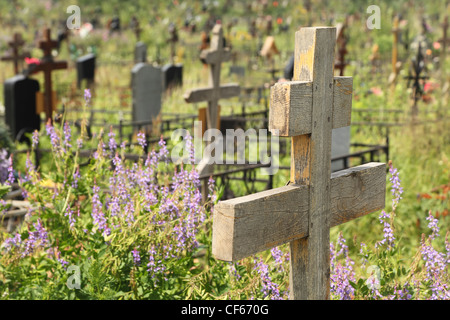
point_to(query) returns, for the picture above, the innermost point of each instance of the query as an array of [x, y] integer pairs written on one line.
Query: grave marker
[[214, 56], [146, 86], [395, 63], [444, 40], [172, 73], [20, 105], [140, 52], [86, 70], [303, 212], [415, 76], [16, 56], [341, 40], [268, 51], [47, 65]]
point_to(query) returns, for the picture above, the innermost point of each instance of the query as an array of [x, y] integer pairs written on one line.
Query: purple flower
[[233, 271], [136, 257], [141, 139], [79, 143], [35, 139], [4, 164], [87, 96], [63, 262], [97, 212], [396, 188], [11, 178], [67, 135], [433, 225], [388, 232], [112, 142], [341, 274], [54, 138], [69, 213], [76, 177], [268, 288], [12, 243]]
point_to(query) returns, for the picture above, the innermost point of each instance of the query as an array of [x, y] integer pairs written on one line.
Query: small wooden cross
[[417, 79], [47, 65], [214, 56], [444, 41], [341, 40], [173, 40], [16, 56], [302, 213], [395, 67]]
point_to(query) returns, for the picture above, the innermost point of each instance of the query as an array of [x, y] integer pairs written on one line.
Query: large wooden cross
[[47, 65], [15, 55], [302, 213]]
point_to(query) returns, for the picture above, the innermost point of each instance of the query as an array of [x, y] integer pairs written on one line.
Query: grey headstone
[[237, 70], [340, 146], [146, 84], [172, 75], [140, 52]]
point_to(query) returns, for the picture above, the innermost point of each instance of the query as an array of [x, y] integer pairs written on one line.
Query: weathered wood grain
[[310, 279], [291, 106], [247, 225]]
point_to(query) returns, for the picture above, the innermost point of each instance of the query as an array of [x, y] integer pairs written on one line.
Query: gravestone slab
[[172, 75], [20, 105], [85, 69], [146, 84], [140, 52], [340, 146], [237, 70]]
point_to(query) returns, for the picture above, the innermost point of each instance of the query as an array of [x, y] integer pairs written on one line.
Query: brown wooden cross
[[302, 213], [15, 55], [47, 65], [342, 51], [173, 40], [445, 40], [395, 63]]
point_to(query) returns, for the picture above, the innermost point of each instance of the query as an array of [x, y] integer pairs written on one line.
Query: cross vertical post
[[314, 53], [302, 213], [444, 41], [395, 67], [47, 65]]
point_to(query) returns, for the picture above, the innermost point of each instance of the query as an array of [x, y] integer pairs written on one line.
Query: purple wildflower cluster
[[4, 165], [36, 239], [341, 273], [388, 232], [268, 287], [396, 188], [436, 263]]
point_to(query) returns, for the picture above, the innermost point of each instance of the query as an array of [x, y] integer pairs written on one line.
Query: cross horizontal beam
[[291, 106], [206, 94], [247, 225], [213, 57]]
